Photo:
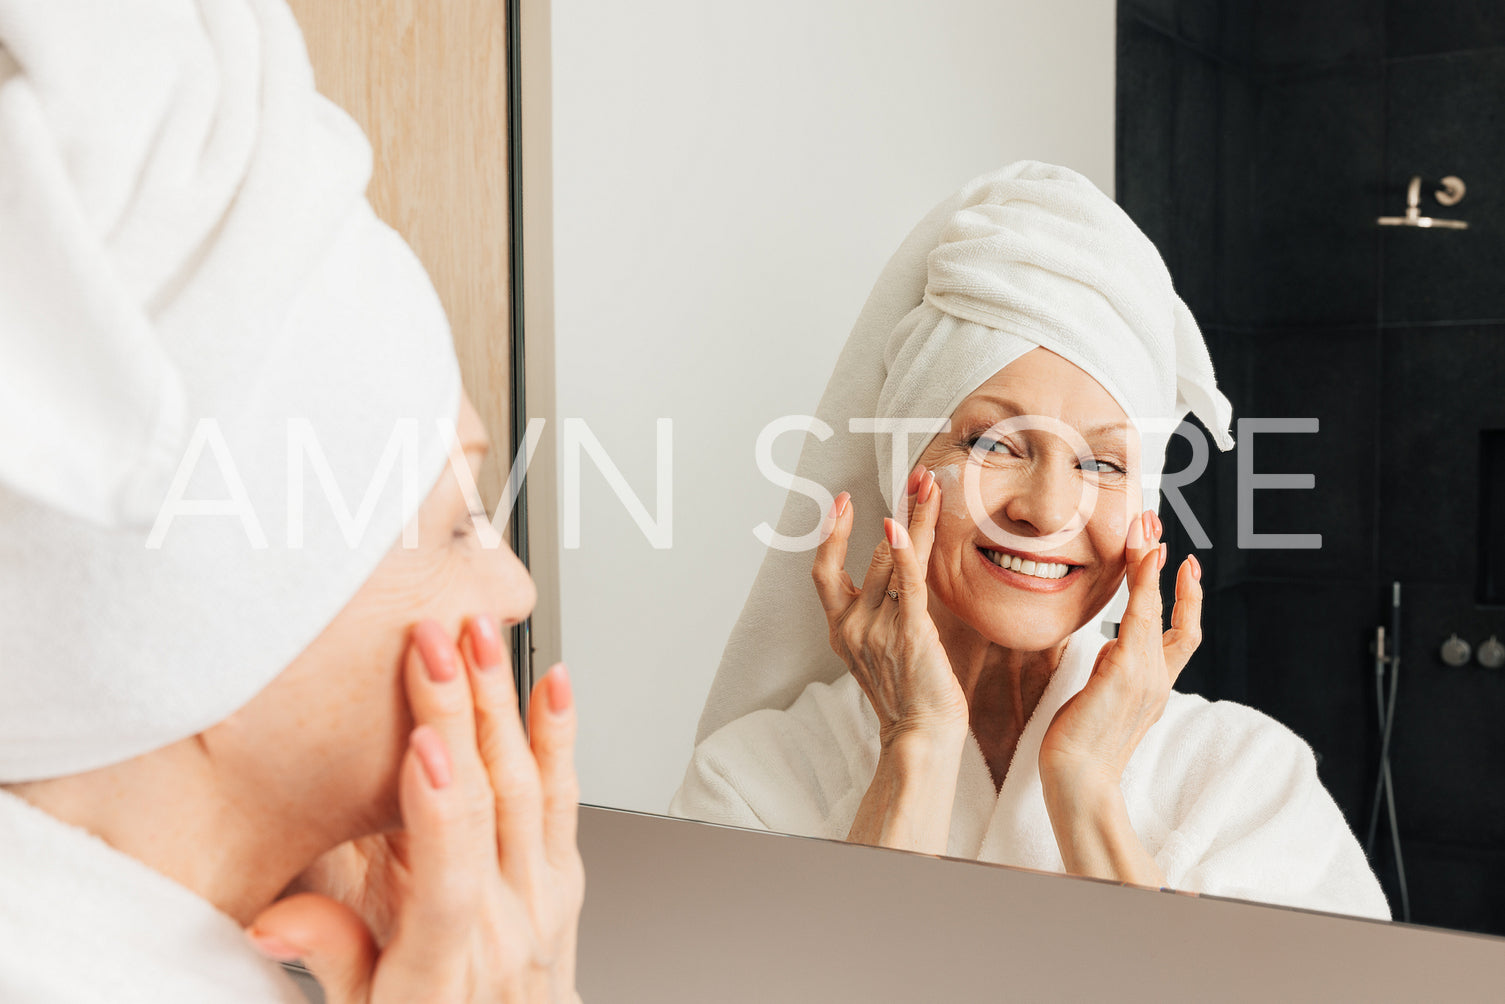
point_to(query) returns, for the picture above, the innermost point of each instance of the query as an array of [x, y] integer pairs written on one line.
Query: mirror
[[725, 187]]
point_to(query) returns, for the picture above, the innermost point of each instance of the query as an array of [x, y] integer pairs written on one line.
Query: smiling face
[[1029, 544]]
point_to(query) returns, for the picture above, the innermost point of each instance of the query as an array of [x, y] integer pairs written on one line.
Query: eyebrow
[[1015, 411]]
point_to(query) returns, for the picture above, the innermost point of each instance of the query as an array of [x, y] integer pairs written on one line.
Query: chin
[[1016, 638], [1025, 627]]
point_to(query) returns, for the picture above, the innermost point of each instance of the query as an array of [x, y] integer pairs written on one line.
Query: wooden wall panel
[[427, 81]]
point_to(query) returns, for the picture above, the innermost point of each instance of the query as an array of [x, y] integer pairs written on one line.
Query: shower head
[[1450, 194], [1417, 220]]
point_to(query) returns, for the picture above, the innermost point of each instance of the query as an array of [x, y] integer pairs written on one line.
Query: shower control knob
[[1452, 191], [1491, 653], [1455, 651]]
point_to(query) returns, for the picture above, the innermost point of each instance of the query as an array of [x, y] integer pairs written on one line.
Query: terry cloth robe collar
[[82, 923], [1019, 820], [1017, 830], [1011, 824], [1225, 799]]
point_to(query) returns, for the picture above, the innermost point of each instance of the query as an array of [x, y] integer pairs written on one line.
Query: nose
[[1045, 498], [512, 587]]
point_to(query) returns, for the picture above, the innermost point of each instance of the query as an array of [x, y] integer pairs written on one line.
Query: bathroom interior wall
[[1258, 142], [728, 181]]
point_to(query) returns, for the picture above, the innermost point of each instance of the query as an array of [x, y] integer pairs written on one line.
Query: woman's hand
[[479, 896], [1091, 738], [883, 632]]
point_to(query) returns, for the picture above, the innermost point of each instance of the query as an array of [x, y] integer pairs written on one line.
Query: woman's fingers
[[439, 694], [908, 579], [329, 939], [875, 583], [1185, 633], [910, 552], [923, 505], [551, 731], [444, 857], [446, 803], [1144, 536], [832, 583], [835, 587], [511, 772], [925, 515], [1142, 617]]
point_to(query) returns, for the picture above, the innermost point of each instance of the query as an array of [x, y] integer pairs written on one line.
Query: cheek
[[955, 524], [1112, 533], [373, 713], [1108, 540], [953, 504], [1109, 527], [333, 737], [989, 487], [949, 477]]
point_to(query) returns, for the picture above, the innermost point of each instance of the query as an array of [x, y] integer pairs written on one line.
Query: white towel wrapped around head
[[1028, 256], [187, 259]]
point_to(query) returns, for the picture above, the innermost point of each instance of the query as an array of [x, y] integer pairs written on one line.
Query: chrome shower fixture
[[1450, 194]]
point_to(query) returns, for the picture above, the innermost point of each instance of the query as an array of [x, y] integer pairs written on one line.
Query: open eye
[[989, 445], [1097, 465]]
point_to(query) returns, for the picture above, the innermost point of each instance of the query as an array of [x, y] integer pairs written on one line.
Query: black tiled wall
[[1428, 27], [1257, 144], [1447, 117]]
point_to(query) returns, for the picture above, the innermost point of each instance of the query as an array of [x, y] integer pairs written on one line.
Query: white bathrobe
[[1226, 799], [82, 923]]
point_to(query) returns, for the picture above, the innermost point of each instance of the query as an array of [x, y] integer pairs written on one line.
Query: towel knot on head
[[1037, 256]]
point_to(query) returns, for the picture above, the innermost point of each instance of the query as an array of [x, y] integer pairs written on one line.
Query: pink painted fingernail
[[487, 642], [436, 651], [1196, 567], [274, 947], [432, 755], [1159, 526], [927, 488], [889, 526], [1164, 551], [558, 688], [839, 505]]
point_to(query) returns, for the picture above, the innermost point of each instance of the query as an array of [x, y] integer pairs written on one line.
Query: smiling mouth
[[1046, 570]]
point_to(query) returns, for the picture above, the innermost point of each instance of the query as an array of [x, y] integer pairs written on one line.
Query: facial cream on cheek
[[953, 499], [954, 483], [949, 480], [1114, 514]]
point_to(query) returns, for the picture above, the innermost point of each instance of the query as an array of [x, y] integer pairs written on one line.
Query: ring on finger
[[893, 594]]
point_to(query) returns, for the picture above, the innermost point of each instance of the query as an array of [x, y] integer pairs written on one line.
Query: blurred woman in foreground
[[250, 610]]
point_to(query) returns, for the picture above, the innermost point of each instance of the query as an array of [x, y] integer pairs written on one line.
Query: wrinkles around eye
[[989, 451]]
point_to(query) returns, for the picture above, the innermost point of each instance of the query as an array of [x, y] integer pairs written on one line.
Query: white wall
[[728, 180]]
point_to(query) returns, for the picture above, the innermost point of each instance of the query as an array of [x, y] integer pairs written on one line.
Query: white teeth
[[1039, 569]]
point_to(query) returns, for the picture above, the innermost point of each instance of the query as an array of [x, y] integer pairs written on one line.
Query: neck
[[1003, 685], [170, 811]]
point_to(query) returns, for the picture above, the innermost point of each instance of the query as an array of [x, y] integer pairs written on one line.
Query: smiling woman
[[973, 708]]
